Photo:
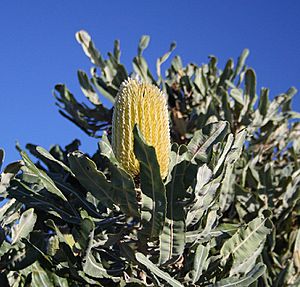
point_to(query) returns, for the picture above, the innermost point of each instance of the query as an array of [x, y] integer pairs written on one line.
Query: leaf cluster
[[226, 215]]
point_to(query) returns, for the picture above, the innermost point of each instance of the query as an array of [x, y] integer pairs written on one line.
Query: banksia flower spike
[[145, 105]]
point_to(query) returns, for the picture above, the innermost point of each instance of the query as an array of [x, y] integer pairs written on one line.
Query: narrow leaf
[[43, 177], [141, 258], [200, 262], [91, 178], [152, 186], [245, 281], [93, 268], [202, 143], [25, 225], [246, 241], [172, 239]]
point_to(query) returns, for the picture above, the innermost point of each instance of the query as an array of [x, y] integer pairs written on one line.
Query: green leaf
[[6, 207], [227, 191], [93, 268], [122, 182], [4, 248], [21, 258], [201, 144], [42, 176], [204, 193], [296, 253], [245, 243], [124, 191], [241, 62], [200, 263], [30, 197], [68, 188], [25, 225], [91, 178], [40, 278], [89, 49], [263, 101], [245, 281], [172, 239], [87, 88], [141, 258], [8, 173], [105, 89], [227, 73], [250, 84], [237, 95], [50, 157], [140, 67], [143, 44], [85, 233], [223, 160], [164, 58], [152, 187], [106, 149]]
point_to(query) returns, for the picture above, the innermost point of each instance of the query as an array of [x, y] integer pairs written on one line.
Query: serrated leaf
[[140, 67], [93, 268], [42, 176], [227, 73], [172, 239], [89, 49], [25, 225], [200, 263], [49, 156], [141, 258], [91, 178], [245, 281], [296, 253], [122, 182], [204, 193], [87, 88], [227, 187], [6, 206], [106, 149], [245, 242], [237, 95], [124, 191], [40, 278], [105, 90], [246, 265], [152, 186], [203, 140], [30, 197], [85, 233], [8, 173]]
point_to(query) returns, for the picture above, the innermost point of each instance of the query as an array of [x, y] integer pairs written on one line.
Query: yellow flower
[[145, 105]]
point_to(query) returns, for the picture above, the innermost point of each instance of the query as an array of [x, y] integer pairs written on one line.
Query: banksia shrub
[[145, 105], [220, 207]]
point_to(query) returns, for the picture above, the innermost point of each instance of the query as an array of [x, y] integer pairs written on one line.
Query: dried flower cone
[[145, 105]]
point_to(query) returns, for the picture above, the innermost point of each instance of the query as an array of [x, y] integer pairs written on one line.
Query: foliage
[[226, 215]]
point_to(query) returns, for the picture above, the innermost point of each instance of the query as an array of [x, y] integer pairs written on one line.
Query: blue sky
[[38, 49]]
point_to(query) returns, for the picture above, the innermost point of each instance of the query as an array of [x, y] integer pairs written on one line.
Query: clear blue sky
[[38, 49]]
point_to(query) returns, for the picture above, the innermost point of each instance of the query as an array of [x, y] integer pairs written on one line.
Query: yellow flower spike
[[145, 105]]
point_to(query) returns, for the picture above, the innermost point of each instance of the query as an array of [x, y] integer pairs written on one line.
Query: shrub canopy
[[227, 213]]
